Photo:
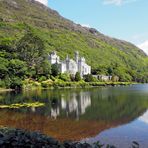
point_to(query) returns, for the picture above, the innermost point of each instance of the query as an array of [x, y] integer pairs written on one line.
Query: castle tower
[[82, 59], [67, 58], [76, 56], [54, 58], [67, 62]]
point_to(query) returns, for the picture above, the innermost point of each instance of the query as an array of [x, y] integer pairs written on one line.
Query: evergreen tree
[[88, 78], [54, 70], [77, 77]]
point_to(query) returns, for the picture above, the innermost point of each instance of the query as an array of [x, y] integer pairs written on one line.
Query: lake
[[114, 115]]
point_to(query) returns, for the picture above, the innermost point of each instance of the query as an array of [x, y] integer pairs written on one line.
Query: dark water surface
[[115, 115]]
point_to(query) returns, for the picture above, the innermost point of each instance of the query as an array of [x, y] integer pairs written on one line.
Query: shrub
[[42, 78], [65, 77], [16, 83], [94, 79], [52, 78], [88, 78], [115, 78], [47, 83], [36, 84]]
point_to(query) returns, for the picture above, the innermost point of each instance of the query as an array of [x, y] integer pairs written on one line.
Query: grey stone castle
[[69, 65]]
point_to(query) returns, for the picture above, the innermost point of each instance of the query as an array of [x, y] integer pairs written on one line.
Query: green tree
[[44, 69], [77, 77], [32, 50], [54, 70], [88, 78], [16, 82], [17, 68], [3, 67], [110, 71]]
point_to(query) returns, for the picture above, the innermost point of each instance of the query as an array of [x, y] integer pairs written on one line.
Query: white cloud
[[118, 2], [144, 117], [45, 2], [144, 46]]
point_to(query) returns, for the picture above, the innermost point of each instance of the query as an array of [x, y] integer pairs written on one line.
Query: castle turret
[[67, 58], [82, 60], [76, 56], [54, 58], [67, 62]]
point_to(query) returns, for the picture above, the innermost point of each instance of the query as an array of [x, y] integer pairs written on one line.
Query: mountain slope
[[106, 55]]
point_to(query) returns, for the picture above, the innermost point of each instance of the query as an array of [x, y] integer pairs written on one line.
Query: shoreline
[[11, 137], [69, 85], [76, 85]]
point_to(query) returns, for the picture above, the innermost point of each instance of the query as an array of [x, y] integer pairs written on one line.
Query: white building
[[104, 77], [69, 65], [53, 58]]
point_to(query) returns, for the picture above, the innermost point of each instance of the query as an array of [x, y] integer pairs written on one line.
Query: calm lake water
[[115, 115]]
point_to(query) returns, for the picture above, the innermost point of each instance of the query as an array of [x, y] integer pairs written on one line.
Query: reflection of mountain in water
[[76, 104]]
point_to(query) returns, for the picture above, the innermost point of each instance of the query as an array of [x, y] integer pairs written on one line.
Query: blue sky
[[123, 19]]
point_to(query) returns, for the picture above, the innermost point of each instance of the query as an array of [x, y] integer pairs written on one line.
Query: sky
[[122, 19]]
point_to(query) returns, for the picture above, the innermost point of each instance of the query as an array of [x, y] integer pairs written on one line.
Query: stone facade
[[69, 65]]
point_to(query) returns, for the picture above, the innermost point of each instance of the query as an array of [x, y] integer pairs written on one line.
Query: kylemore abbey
[[69, 65]]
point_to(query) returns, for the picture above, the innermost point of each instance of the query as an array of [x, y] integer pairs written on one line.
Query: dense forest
[[27, 37]]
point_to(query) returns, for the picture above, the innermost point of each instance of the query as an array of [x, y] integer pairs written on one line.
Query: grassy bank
[[58, 83], [49, 84]]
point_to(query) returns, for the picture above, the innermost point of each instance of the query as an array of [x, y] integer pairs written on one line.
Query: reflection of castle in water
[[76, 105]]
